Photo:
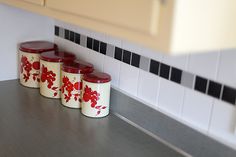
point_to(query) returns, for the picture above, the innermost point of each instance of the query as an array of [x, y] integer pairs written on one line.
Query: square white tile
[[143, 51], [97, 59], [197, 109], [148, 87], [129, 79], [223, 119], [227, 66], [80, 52], [113, 41], [112, 67], [204, 64], [176, 61], [170, 97]]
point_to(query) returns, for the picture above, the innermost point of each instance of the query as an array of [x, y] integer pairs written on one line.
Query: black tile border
[[201, 84]]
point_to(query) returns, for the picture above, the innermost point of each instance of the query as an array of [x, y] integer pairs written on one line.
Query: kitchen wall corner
[[17, 26]]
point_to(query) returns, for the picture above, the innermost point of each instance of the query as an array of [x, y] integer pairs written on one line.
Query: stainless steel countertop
[[32, 125]]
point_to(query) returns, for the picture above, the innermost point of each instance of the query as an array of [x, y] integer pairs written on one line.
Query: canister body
[[29, 69], [71, 89], [50, 79], [95, 99]]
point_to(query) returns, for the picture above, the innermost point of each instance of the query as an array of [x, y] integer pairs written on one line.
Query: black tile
[[214, 89], [118, 53], [103, 48], [77, 38], [135, 60], [154, 67], [67, 34], [96, 45], [200, 84], [164, 71], [89, 43], [126, 56], [229, 95], [176, 75], [72, 36], [56, 31]]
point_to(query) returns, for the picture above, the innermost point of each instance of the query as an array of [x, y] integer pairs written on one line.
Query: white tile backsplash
[[170, 97], [143, 51], [176, 61], [204, 64], [148, 87], [197, 109], [223, 119], [80, 52], [178, 101], [97, 60], [227, 67], [129, 79], [112, 67]]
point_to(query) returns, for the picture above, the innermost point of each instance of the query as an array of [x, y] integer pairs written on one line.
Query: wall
[[199, 107], [17, 26]]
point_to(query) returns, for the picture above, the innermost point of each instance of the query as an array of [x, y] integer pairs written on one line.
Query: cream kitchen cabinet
[[38, 2], [168, 26]]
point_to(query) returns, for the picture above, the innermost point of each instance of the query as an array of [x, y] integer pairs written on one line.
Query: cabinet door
[[137, 15], [39, 2]]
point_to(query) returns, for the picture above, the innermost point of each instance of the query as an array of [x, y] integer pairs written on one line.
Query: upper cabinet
[[168, 26], [134, 15], [38, 2]]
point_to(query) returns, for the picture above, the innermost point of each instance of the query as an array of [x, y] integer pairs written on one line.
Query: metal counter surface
[[32, 125]]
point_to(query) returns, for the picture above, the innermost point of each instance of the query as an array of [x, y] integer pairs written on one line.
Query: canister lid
[[37, 46], [78, 67], [97, 77], [57, 56]]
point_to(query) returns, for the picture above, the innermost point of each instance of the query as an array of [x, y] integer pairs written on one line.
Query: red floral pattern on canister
[[93, 97], [49, 77], [69, 89], [26, 69]]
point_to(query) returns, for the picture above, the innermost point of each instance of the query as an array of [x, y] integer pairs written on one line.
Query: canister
[[50, 72], [96, 94], [29, 66], [71, 85]]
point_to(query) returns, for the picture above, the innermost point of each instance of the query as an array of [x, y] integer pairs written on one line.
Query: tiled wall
[[16, 26], [196, 89]]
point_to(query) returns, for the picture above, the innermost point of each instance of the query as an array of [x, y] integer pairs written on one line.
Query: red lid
[[37, 46], [55, 56], [97, 77], [78, 67]]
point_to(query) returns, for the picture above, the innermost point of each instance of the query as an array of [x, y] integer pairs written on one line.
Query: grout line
[[120, 64], [159, 83], [221, 92], [170, 71], [210, 119], [139, 84], [185, 89]]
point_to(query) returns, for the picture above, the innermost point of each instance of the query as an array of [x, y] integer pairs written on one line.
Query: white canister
[[71, 85], [50, 72], [29, 53], [96, 94]]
